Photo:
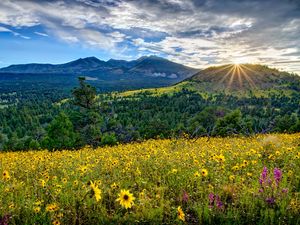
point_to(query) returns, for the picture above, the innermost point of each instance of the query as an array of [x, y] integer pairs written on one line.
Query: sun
[[237, 72], [240, 60]]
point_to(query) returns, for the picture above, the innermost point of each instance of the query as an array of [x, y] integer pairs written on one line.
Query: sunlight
[[241, 60], [238, 74]]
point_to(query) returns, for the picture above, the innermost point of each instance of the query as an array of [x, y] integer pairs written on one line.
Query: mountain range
[[145, 72], [147, 66]]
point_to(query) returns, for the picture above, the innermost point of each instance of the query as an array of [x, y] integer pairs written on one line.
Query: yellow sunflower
[[126, 199], [56, 222], [180, 213], [52, 207], [37, 209], [6, 175], [204, 172], [95, 191]]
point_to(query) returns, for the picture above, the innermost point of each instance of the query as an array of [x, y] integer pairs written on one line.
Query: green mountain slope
[[246, 77], [231, 79]]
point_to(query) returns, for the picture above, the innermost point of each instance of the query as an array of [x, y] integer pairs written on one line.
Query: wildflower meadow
[[237, 180]]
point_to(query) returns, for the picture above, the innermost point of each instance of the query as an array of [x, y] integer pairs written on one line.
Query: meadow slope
[[253, 180]]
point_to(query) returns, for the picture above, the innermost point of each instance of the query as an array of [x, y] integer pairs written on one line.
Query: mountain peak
[[153, 57]]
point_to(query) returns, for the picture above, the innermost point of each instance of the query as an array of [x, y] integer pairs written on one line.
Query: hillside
[[233, 80], [245, 77]]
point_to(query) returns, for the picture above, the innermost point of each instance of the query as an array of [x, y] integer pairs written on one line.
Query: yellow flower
[[64, 180], [126, 199], [95, 191], [180, 214], [6, 175], [204, 172], [114, 186], [197, 174], [56, 222], [43, 183], [83, 169], [210, 187], [221, 158], [231, 177], [60, 215], [37, 209], [174, 170], [38, 203], [52, 207], [235, 168]]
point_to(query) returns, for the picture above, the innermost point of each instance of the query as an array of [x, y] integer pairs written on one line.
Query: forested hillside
[[37, 119]]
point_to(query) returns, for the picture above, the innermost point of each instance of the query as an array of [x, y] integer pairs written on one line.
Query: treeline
[[88, 119]]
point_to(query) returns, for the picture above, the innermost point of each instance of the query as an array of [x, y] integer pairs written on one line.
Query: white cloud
[[4, 29], [41, 34]]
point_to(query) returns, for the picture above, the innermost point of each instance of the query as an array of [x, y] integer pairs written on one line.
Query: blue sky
[[197, 33]]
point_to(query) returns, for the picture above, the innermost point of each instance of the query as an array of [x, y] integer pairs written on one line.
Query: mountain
[[111, 75], [245, 77], [238, 80], [151, 66]]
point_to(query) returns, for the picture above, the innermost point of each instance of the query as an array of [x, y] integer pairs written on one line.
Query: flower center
[[126, 197]]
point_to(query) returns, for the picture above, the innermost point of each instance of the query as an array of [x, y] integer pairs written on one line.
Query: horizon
[[222, 65], [198, 34]]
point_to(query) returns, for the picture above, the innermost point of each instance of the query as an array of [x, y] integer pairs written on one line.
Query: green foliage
[[157, 113], [108, 139], [60, 133], [232, 123], [286, 123], [203, 123], [85, 95]]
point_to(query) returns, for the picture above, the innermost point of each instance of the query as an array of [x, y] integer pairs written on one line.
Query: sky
[[197, 33]]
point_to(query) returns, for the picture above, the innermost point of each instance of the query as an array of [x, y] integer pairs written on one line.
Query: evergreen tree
[[84, 95], [60, 134]]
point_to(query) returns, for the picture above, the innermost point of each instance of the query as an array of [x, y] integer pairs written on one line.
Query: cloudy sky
[[197, 33]]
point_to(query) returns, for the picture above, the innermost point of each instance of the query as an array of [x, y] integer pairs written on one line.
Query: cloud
[[4, 29], [41, 34], [289, 61], [194, 32]]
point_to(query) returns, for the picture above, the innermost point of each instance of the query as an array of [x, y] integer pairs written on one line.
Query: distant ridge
[[150, 66]]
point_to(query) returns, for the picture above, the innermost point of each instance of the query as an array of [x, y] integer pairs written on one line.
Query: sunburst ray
[[227, 74], [248, 78]]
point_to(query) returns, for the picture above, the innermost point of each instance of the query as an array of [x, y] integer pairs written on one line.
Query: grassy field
[[252, 180]]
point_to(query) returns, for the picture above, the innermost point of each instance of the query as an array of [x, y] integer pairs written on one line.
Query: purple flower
[[270, 201], [4, 220], [261, 190], [277, 175], [264, 173], [211, 198], [263, 176], [219, 203], [185, 196], [285, 190]]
